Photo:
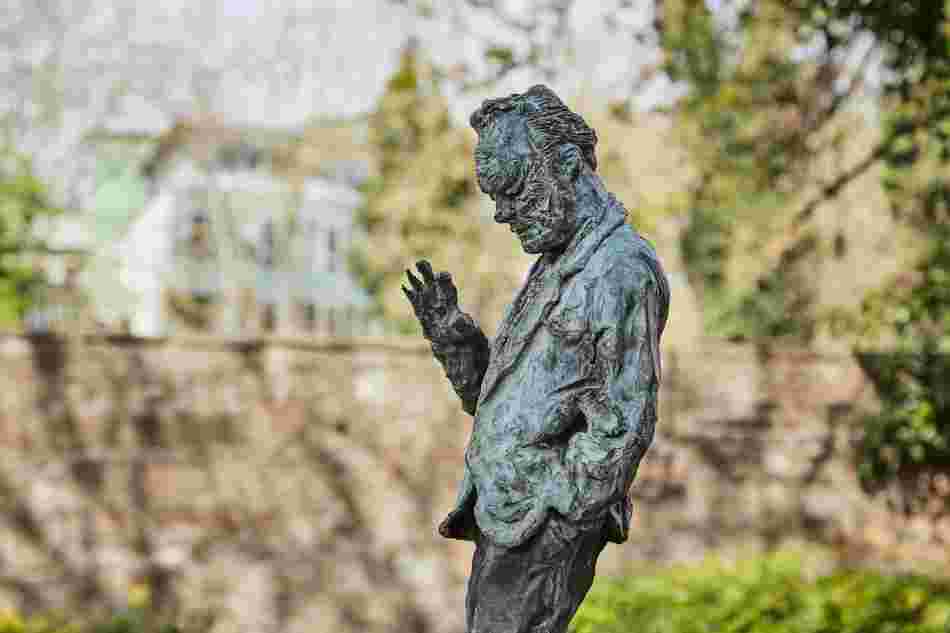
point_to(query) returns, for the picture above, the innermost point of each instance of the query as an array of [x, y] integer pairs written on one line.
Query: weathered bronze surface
[[565, 397]]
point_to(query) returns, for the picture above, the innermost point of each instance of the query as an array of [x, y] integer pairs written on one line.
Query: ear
[[569, 161]]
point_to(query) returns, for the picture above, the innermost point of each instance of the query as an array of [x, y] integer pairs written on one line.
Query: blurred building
[[197, 226], [57, 251]]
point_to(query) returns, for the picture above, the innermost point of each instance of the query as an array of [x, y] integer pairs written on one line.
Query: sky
[[69, 67], [350, 48]]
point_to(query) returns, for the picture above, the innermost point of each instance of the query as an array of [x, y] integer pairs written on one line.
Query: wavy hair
[[550, 122]]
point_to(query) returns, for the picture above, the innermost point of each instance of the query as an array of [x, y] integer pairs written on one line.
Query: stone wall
[[291, 485]]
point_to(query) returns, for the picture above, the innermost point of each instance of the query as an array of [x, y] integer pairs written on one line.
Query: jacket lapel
[[514, 334]]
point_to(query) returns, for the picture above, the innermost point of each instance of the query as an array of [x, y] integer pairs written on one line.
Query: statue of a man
[[565, 397]]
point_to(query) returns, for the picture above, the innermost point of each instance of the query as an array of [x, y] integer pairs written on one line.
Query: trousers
[[537, 586]]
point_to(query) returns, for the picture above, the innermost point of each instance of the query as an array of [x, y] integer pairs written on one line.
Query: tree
[[906, 446], [424, 203], [23, 200], [769, 89]]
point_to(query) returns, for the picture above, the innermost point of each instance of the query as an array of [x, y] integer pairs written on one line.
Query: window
[[239, 156], [331, 250], [308, 315], [268, 317], [199, 243], [266, 245]]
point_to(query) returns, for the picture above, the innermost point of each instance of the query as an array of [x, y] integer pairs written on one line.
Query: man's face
[[523, 184]]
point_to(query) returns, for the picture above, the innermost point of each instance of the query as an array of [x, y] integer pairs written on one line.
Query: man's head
[[530, 150]]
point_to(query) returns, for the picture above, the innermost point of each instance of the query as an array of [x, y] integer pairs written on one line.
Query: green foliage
[[778, 307], [911, 434], [424, 202], [501, 55], [772, 594], [766, 92], [407, 119], [704, 246], [741, 124], [695, 48], [138, 616], [913, 34], [131, 620], [23, 199], [903, 328], [914, 307], [12, 623]]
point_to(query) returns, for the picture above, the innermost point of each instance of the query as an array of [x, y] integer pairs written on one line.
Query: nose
[[504, 209]]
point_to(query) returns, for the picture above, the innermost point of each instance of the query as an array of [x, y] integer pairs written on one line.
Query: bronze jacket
[[567, 405]]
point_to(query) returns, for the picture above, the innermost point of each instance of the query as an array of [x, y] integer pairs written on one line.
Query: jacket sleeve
[[464, 356], [620, 409]]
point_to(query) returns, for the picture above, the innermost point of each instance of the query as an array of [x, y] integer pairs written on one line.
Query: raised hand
[[434, 299]]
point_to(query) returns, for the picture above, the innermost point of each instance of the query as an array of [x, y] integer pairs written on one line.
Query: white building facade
[[224, 245]]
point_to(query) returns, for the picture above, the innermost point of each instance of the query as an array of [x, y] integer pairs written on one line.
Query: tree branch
[[830, 190], [818, 122]]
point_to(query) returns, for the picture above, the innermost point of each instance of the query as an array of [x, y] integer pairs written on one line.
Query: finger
[[443, 282], [416, 284], [444, 278], [426, 269]]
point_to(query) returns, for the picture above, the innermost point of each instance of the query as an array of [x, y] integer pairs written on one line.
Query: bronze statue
[[565, 397]]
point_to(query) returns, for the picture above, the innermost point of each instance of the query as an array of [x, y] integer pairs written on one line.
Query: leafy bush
[[911, 435], [765, 595], [131, 620], [12, 623], [23, 200]]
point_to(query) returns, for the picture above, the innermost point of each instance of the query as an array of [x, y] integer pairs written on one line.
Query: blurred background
[[217, 414]]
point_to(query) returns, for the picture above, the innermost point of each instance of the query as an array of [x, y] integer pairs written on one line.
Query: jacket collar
[[506, 348], [589, 237]]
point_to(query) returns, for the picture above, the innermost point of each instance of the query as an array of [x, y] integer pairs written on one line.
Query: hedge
[[771, 594]]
